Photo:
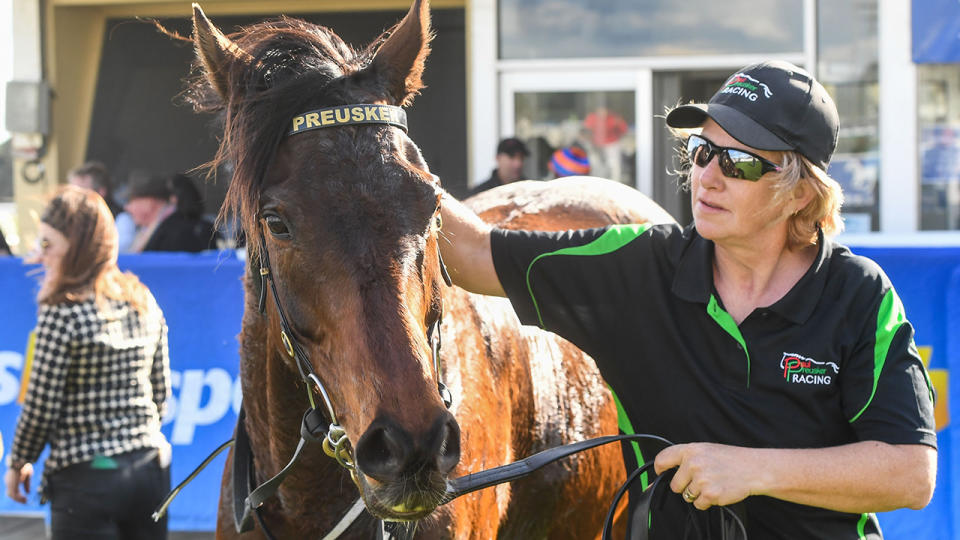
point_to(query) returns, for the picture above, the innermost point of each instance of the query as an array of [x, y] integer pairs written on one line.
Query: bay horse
[[343, 224]]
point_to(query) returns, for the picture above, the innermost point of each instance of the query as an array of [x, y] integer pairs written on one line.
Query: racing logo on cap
[[802, 370], [746, 86]]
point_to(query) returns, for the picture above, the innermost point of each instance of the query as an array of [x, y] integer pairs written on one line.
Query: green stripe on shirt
[[890, 317], [613, 239]]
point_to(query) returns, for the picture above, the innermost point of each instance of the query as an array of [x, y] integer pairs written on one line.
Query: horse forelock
[[294, 66]]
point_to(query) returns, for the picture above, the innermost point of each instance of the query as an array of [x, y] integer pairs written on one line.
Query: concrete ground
[[31, 528]]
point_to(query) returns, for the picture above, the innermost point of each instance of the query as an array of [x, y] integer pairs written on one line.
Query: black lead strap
[[639, 529], [519, 469]]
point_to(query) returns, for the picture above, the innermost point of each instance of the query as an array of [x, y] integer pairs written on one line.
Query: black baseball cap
[[771, 106], [512, 146]]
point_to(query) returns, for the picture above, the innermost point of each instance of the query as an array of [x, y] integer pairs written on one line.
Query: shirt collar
[[800, 301], [694, 278]]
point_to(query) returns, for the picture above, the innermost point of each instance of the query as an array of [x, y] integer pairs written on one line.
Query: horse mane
[[293, 66]]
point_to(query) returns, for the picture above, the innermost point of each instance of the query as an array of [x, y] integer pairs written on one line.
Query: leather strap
[[519, 469], [311, 430], [731, 525], [241, 475]]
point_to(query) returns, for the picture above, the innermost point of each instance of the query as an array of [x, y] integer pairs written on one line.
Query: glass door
[[591, 123]]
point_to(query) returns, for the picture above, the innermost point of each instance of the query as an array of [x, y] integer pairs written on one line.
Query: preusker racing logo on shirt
[[746, 86], [802, 370]]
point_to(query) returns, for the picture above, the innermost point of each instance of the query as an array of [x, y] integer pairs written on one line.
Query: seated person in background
[[511, 152], [189, 203], [162, 226], [569, 161], [94, 175]]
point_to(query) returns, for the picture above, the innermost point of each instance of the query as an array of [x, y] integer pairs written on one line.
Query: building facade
[[597, 74]]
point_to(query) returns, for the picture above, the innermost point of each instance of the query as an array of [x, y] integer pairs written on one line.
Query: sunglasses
[[733, 163]]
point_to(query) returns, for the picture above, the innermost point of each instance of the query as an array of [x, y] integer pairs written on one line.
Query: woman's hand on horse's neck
[[465, 246]]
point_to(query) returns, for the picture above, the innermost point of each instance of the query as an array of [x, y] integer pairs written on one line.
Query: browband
[[345, 115]]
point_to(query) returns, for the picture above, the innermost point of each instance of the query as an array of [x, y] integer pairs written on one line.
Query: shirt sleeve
[[571, 283], [44, 396], [887, 394], [160, 372]]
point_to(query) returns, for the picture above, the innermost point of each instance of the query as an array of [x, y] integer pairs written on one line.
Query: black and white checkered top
[[99, 383]]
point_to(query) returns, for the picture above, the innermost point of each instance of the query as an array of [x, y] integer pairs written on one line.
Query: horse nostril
[[448, 453], [382, 452]]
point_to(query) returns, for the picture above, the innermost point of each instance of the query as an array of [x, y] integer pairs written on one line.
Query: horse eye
[[277, 227]]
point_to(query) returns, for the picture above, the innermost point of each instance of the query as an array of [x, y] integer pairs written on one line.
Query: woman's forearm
[[465, 246], [867, 476]]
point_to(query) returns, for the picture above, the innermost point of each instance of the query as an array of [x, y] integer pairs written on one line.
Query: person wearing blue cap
[[569, 161], [781, 364]]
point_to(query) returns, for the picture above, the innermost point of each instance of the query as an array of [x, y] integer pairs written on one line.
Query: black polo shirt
[[832, 362]]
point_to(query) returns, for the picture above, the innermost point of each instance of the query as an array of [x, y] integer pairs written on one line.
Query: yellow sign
[[938, 379]]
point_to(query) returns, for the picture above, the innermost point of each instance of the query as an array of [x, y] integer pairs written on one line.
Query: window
[[617, 28], [601, 124], [847, 44], [938, 100]]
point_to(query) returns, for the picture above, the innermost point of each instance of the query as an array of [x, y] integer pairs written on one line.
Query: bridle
[[334, 440]]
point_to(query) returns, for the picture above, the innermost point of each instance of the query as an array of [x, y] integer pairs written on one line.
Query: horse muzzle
[[403, 476]]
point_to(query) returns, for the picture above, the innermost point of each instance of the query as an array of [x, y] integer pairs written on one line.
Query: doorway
[[140, 124]]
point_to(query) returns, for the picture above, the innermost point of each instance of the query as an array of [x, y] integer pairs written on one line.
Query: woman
[[783, 364], [99, 383]]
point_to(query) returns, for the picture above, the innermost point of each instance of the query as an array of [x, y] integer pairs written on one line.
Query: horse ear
[[400, 59], [216, 51]]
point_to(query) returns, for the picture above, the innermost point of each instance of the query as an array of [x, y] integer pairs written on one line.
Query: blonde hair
[[823, 210], [89, 267]]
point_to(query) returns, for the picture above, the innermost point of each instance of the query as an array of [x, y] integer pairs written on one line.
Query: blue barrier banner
[[202, 298], [927, 279], [936, 31]]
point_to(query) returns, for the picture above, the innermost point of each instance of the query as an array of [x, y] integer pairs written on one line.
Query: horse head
[[348, 218]]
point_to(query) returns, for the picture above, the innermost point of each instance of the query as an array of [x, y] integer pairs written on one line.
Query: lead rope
[[640, 529]]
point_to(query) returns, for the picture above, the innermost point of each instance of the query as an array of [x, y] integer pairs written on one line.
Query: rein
[[731, 524]]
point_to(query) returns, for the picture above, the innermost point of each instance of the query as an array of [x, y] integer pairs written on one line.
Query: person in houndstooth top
[[99, 383]]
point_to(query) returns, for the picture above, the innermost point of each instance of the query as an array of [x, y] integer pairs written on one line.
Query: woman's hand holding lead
[[709, 474]]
